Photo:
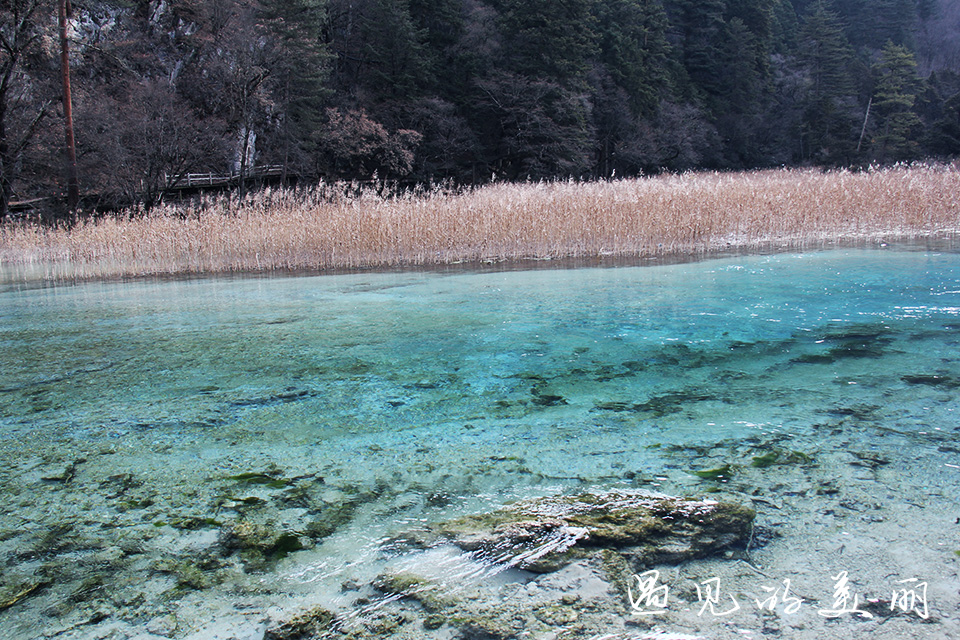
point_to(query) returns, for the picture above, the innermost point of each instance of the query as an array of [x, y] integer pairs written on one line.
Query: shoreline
[[940, 240], [663, 219]]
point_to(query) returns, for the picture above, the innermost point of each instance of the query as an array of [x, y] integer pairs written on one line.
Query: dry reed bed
[[324, 229]]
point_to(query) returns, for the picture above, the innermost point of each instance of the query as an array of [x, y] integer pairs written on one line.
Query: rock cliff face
[[94, 23], [100, 32], [546, 534]]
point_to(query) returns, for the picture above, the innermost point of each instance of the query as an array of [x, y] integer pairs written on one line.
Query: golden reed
[[322, 228]]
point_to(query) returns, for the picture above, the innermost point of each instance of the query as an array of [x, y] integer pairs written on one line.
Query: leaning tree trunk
[[866, 117]]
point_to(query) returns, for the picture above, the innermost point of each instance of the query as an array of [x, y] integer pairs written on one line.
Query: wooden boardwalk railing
[[199, 180]]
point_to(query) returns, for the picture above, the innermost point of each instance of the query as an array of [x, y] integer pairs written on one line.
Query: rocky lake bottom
[[746, 447]]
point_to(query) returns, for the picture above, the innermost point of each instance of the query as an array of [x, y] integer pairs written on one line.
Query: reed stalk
[[343, 226]]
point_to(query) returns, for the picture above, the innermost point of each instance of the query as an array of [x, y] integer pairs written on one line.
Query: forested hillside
[[468, 90]]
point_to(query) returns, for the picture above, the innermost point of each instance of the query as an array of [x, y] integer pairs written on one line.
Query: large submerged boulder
[[546, 534]]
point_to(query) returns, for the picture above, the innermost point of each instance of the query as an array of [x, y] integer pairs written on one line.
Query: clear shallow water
[[382, 400]]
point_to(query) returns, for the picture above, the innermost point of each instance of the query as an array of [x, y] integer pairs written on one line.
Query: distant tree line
[[469, 90]]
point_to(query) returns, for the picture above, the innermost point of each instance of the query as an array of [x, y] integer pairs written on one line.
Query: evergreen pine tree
[[393, 48], [784, 27], [698, 25], [943, 114], [894, 100], [634, 50], [300, 71], [440, 24], [548, 39], [828, 122]]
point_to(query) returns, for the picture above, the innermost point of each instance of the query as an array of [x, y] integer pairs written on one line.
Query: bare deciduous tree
[[22, 108], [146, 138], [356, 145]]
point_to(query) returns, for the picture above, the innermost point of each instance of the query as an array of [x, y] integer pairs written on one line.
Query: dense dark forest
[[467, 90]]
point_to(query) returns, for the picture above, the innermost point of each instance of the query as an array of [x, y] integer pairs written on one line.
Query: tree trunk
[[243, 163], [73, 184], [863, 131], [5, 179]]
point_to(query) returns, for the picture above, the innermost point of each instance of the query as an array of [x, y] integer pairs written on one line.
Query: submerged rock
[[415, 587], [12, 592], [309, 624], [259, 543], [64, 473], [546, 534], [932, 380]]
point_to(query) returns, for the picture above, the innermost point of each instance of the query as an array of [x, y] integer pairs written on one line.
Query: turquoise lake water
[[137, 419]]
